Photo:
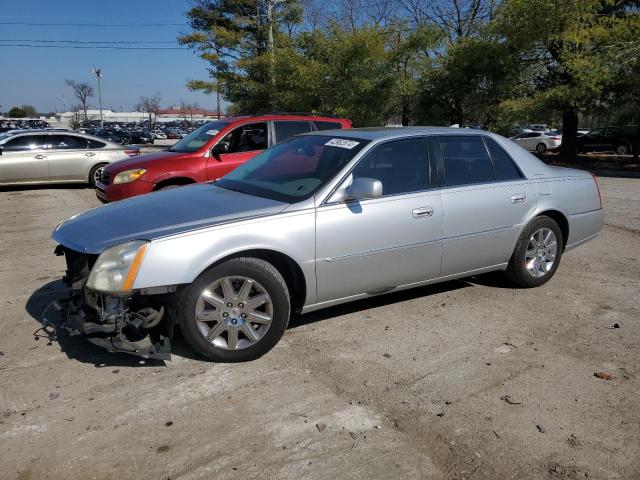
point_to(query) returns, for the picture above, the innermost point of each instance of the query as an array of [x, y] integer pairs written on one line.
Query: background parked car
[[620, 140], [207, 153], [538, 141], [42, 156]]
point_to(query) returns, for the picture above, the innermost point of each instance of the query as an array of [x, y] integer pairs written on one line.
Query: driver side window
[[247, 138], [401, 165]]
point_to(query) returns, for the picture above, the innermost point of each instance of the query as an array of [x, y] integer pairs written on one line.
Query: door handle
[[40, 157], [519, 198], [424, 212], [89, 154]]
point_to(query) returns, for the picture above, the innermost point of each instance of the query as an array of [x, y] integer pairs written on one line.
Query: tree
[[561, 54], [151, 106], [29, 110], [225, 33], [76, 111], [17, 112], [82, 91]]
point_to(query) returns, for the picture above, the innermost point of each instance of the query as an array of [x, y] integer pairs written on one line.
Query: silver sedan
[[320, 219], [47, 156]]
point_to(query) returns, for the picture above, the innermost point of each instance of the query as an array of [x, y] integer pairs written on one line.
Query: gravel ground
[[468, 379]]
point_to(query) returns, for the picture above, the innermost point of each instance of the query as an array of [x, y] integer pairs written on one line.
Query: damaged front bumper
[[134, 323]]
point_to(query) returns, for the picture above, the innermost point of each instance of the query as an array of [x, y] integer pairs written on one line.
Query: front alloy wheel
[[236, 311]]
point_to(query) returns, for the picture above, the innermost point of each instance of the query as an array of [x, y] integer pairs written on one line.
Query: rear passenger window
[[93, 144], [402, 166], [466, 161], [285, 130], [502, 163], [327, 125], [67, 142]]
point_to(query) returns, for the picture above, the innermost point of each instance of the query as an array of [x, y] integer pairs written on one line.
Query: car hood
[[140, 161], [159, 214]]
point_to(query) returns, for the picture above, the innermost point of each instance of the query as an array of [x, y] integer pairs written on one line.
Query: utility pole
[[270, 5], [98, 73]]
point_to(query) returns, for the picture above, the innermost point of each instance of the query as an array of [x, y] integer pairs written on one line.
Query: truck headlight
[[116, 269], [129, 176]]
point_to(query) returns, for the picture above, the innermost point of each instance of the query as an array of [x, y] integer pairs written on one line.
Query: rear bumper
[[113, 193]]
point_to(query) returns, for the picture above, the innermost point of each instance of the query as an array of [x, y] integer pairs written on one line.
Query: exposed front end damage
[[135, 323]]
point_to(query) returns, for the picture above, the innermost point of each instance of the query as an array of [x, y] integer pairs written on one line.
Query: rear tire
[[220, 304], [531, 264], [541, 148], [622, 149], [93, 174]]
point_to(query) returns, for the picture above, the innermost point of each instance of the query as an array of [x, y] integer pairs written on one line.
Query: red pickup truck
[[207, 153]]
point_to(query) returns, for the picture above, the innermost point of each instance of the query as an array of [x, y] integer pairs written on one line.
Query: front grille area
[[78, 266]]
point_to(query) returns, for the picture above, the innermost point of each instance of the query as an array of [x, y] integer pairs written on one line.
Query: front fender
[[180, 259]]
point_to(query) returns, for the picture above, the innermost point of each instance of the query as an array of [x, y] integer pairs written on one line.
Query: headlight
[[117, 267], [129, 176]]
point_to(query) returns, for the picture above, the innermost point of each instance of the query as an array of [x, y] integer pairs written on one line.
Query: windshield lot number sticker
[[342, 143], [212, 132]]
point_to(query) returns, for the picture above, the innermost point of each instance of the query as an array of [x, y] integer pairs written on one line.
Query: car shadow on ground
[[53, 186], [75, 347], [78, 348], [376, 302]]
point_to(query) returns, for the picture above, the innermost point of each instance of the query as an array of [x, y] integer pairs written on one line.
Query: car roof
[[284, 116], [386, 133], [15, 133]]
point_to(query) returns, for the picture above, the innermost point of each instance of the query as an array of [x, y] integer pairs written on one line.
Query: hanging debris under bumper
[[132, 324]]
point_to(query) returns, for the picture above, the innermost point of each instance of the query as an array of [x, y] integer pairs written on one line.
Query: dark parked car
[[141, 136], [615, 139]]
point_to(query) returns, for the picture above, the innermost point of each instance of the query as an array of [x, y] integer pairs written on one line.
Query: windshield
[[198, 137], [294, 169]]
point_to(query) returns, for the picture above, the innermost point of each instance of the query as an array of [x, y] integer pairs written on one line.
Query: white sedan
[[538, 141]]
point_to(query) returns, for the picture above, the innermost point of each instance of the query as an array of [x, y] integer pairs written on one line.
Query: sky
[[36, 76]]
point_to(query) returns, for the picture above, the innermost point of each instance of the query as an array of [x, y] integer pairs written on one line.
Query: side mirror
[[363, 188], [219, 149]]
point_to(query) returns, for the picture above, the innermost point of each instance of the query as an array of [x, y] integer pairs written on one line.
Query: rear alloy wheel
[[541, 148], [622, 149], [94, 174], [236, 311], [537, 254]]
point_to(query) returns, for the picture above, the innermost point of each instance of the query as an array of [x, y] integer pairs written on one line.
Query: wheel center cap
[[235, 312]]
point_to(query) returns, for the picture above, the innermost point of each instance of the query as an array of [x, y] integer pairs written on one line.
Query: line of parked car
[[622, 140]]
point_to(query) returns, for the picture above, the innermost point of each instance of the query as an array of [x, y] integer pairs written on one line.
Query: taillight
[[597, 188], [132, 153], [556, 138]]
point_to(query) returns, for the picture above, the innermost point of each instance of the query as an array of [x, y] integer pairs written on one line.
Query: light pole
[[98, 73]]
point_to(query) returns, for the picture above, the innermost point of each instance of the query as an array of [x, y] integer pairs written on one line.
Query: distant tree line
[[437, 62]]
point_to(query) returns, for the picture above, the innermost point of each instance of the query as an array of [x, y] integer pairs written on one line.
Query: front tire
[[94, 174], [236, 311], [537, 254]]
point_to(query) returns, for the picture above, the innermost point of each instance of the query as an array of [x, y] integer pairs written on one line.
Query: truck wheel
[[537, 254], [236, 311]]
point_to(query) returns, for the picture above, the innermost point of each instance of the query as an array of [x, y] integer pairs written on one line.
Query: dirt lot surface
[[468, 379]]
